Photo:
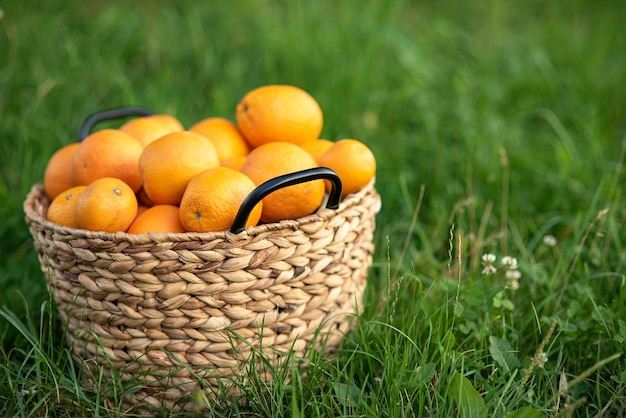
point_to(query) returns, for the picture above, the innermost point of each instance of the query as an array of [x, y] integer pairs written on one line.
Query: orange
[[279, 113], [159, 218], [59, 175], [61, 210], [167, 165], [316, 147], [224, 135], [108, 153], [108, 204], [146, 129], [171, 121], [234, 162], [277, 158], [353, 161], [212, 200]]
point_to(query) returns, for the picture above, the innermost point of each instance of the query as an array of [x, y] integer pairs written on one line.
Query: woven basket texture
[[178, 313]]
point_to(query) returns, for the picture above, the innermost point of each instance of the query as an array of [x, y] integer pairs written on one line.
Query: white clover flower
[[549, 240], [26, 392], [487, 262], [509, 262], [513, 285], [489, 270], [513, 275]]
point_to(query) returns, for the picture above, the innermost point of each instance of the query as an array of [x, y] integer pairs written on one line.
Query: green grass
[[494, 124]]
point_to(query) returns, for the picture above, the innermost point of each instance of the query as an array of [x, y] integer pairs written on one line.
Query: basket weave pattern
[[171, 304]]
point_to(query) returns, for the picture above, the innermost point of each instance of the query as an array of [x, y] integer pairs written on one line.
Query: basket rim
[[37, 196]]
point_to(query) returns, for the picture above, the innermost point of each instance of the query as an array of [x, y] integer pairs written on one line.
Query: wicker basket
[[177, 313]]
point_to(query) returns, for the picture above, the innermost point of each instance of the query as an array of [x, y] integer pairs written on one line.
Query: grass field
[[499, 128]]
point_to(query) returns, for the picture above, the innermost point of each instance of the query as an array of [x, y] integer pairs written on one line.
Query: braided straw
[[176, 313]]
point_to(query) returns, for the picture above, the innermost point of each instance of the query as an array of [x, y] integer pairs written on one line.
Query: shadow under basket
[[181, 313]]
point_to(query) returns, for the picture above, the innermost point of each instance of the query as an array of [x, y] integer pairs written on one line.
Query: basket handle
[[287, 180], [102, 115]]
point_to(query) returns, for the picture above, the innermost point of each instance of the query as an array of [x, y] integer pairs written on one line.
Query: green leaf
[[602, 315], [526, 412], [474, 297], [503, 353], [422, 375], [567, 327], [468, 400], [507, 304], [467, 327], [347, 394], [493, 296]]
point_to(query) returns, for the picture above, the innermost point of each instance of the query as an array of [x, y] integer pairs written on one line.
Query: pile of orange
[[152, 174]]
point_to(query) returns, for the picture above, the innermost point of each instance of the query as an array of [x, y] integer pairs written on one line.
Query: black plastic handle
[[115, 113], [287, 180]]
